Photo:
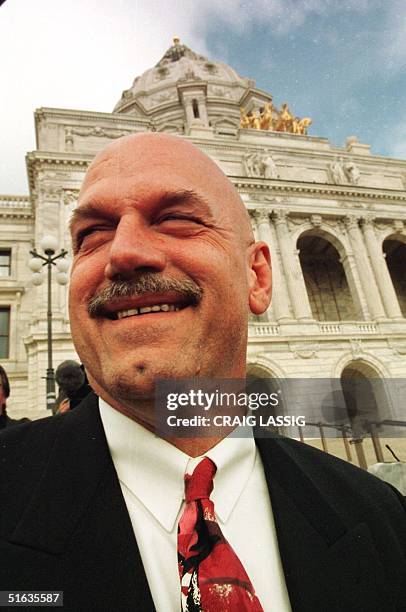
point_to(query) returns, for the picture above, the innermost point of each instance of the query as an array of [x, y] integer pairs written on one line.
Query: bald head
[[128, 156]]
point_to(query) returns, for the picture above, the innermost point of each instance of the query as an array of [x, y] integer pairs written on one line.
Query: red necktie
[[212, 577]]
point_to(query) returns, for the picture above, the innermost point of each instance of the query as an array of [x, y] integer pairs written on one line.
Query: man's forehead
[[123, 156], [170, 161], [152, 159]]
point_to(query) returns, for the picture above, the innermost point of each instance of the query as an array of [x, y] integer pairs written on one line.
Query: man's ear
[[260, 278]]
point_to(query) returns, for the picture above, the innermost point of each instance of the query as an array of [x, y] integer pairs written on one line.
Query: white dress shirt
[[151, 474]]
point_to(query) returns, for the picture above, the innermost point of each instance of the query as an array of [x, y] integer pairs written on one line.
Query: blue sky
[[341, 63]]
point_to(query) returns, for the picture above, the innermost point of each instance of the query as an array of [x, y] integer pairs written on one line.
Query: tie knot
[[199, 485]]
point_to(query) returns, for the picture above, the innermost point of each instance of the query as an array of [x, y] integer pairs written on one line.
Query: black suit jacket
[[64, 523], [6, 422]]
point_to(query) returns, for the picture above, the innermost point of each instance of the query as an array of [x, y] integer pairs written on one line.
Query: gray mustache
[[146, 284]]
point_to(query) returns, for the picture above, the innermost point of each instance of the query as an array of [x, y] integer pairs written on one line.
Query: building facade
[[334, 219]]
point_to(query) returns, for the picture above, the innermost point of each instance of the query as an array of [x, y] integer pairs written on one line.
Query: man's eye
[[179, 218], [88, 233], [85, 233]]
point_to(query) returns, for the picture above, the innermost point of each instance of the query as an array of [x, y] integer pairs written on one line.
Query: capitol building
[[333, 217]]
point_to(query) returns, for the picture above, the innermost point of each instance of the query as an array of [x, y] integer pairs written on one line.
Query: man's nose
[[134, 249]]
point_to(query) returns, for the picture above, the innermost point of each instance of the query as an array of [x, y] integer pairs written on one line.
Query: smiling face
[[165, 270]]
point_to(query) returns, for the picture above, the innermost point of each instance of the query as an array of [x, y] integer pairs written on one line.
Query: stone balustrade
[[348, 327], [325, 328], [14, 201], [263, 329]]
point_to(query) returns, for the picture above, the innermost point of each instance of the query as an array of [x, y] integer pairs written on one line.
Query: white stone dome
[[180, 64]]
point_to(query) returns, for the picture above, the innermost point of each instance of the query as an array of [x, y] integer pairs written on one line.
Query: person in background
[[5, 420], [73, 385]]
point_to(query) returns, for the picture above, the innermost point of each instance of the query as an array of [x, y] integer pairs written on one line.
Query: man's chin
[[131, 394], [123, 387], [131, 391]]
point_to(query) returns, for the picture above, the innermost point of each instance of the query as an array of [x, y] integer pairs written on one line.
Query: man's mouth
[[131, 312], [148, 295]]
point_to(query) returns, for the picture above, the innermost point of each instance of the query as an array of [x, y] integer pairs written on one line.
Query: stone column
[[291, 265], [354, 283], [378, 263], [366, 275], [280, 298]]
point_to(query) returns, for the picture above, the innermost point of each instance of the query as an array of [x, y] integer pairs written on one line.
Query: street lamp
[[49, 245]]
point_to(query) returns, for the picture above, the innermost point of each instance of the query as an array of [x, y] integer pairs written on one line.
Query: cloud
[[80, 55]]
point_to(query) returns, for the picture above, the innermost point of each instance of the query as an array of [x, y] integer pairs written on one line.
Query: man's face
[[158, 225]]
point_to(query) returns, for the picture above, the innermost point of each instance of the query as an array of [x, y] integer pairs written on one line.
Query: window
[[195, 107], [4, 331], [5, 262]]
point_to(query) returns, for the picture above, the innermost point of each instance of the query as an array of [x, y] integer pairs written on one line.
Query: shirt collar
[[234, 458], [153, 470]]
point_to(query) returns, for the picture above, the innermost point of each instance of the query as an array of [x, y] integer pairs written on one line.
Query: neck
[[194, 447], [143, 413]]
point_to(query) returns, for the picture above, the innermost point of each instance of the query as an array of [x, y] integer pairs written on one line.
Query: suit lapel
[[78, 515], [78, 461], [323, 559]]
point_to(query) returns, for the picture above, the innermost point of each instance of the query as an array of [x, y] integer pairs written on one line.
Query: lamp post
[[49, 245]]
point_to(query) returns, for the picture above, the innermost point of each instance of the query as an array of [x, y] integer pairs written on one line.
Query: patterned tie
[[212, 576]]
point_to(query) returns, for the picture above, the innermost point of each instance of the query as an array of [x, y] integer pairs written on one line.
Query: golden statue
[[296, 125], [270, 119], [285, 121], [255, 120], [304, 124], [245, 121], [267, 117]]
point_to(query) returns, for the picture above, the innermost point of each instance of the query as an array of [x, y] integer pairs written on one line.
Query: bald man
[[165, 274]]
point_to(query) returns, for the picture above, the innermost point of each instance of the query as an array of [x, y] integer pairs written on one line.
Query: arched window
[[395, 255], [357, 381], [261, 381], [366, 405], [325, 279], [195, 106]]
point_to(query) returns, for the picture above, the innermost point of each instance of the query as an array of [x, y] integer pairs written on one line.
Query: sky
[[340, 62]]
